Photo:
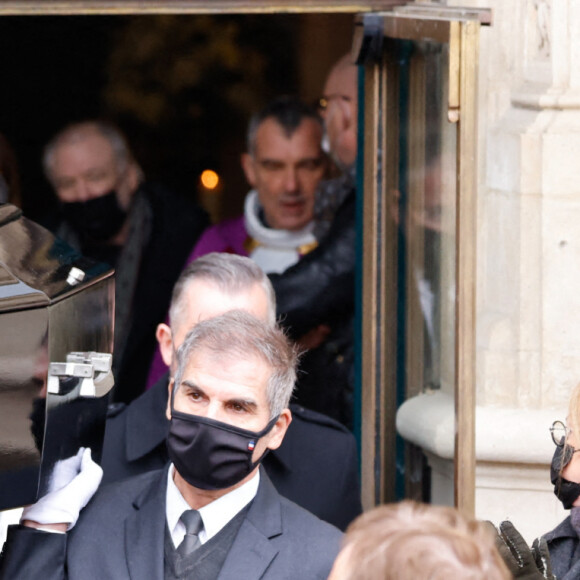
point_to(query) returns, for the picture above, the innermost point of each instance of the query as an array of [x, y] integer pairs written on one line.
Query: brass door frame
[[112, 7], [460, 30]]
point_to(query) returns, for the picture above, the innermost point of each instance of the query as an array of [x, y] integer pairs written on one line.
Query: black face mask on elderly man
[[566, 491], [210, 454], [98, 219]]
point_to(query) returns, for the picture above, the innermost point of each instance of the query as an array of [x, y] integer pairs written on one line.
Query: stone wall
[[528, 303]]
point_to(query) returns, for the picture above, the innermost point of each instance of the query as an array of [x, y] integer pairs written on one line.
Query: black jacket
[[564, 546], [316, 466], [319, 289]]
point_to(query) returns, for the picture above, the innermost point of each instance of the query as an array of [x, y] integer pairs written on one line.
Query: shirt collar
[[215, 515]]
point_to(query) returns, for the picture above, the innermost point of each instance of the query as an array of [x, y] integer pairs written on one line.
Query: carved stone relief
[[543, 34]]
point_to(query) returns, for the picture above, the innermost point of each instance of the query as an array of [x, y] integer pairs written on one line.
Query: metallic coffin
[[56, 340]]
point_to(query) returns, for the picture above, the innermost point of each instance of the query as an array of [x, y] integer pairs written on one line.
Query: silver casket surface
[[56, 340]]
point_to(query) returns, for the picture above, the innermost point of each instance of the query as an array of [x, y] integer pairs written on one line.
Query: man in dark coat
[[213, 514], [142, 230], [316, 295], [316, 465]]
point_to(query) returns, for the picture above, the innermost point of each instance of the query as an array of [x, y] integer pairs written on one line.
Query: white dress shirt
[[215, 515]]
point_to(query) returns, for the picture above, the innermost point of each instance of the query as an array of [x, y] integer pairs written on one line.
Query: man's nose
[[291, 179], [214, 411], [83, 191]]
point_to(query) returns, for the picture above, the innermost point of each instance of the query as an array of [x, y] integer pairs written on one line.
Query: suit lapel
[[249, 556], [252, 551], [145, 532]]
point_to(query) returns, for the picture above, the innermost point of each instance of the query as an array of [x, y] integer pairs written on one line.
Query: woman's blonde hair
[[573, 420], [412, 541]]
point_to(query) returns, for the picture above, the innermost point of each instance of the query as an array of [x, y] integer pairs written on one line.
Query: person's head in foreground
[[412, 541]]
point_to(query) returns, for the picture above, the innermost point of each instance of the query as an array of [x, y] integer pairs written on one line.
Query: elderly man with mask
[[110, 214], [213, 513], [316, 466]]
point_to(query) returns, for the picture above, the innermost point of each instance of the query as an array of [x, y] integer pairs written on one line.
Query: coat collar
[[563, 530]]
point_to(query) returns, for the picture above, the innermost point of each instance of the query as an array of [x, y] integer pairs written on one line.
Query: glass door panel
[[418, 252]]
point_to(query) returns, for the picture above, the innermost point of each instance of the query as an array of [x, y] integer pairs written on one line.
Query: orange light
[[209, 179]]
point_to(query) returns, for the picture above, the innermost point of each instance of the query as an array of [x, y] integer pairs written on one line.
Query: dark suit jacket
[[315, 467], [120, 535], [320, 289]]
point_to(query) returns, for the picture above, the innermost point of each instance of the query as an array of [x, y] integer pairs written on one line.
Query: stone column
[[528, 335]]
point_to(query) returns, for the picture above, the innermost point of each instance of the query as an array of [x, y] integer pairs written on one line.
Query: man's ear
[[346, 144], [279, 429], [247, 162], [130, 180], [347, 115], [169, 391], [134, 174], [165, 340]]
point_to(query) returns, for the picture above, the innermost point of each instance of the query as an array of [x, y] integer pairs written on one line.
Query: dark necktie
[[193, 525]]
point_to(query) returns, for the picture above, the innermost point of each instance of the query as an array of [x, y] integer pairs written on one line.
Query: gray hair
[[228, 272], [78, 132], [288, 112], [239, 335]]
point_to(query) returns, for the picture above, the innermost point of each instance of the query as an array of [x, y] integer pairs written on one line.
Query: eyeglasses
[[324, 101], [560, 434]]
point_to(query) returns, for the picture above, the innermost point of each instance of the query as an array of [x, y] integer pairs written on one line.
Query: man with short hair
[[213, 513], [316, 465], [146, 232], [284, 165]]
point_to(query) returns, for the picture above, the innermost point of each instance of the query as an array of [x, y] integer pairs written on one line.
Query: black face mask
[[210, 454], [566, 491], [98, 219]]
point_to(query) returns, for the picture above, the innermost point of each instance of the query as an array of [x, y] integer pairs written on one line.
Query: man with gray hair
[[110, 214], [213, 512], [316, 466]]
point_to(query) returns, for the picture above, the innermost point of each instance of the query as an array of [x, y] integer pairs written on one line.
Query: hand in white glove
[[73, 483]]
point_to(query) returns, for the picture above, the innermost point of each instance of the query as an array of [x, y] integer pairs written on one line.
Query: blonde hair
[[573, 424], [573, 419], [412, 541]]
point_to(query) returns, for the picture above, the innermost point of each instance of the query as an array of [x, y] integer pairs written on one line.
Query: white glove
[[73, 483]]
